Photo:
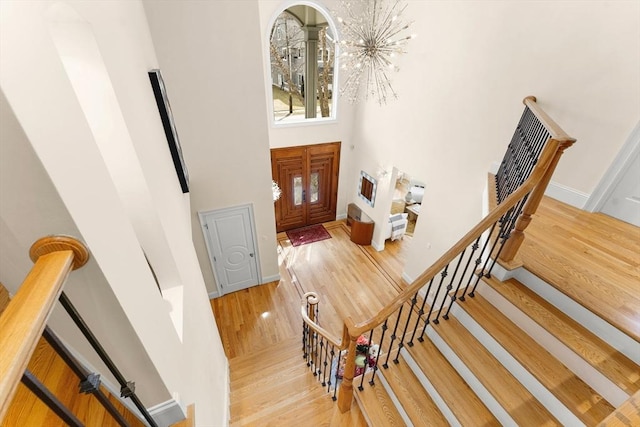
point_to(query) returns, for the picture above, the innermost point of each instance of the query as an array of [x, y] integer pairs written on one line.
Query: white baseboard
[[341, 216], [213, 294], [407, 278], [169, 412], [377, 247], [567, 195], [269, 279]]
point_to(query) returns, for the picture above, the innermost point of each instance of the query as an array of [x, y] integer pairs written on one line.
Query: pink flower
[[362, 340]]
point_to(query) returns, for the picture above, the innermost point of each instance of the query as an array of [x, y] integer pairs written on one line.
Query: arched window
[[302, 50]]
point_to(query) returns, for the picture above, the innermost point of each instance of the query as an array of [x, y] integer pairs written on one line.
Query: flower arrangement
[[365, 358]]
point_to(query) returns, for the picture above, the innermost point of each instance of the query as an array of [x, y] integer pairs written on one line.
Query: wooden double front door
[[308, 178]]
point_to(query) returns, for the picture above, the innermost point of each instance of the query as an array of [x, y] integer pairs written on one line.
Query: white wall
[[210, 56], [31, 208], [109, 216], [460, 89]]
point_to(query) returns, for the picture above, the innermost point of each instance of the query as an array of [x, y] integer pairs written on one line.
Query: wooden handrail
[[550, 125], [534, 187], [340, 344], [493, 216], [24, 319], [351, 330]]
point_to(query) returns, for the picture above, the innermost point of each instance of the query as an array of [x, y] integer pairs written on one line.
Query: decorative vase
[[408, 197]]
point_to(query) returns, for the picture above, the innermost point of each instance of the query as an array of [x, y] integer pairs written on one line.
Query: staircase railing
[[24, 321], [452, 277]]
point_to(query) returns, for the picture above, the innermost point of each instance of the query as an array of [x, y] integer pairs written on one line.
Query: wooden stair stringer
[[505, 396], [609, 362], [569, 398]]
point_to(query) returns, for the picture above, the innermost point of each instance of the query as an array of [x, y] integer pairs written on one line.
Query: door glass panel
[[297, 190], [314, 187]]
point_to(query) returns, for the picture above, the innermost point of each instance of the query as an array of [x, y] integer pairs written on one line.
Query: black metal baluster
[[393, 338], [450, 285], [127, 388], [414, 301], [324, 365], [366, 362], [474, 248], [314, 359], [304, 339], [420, 313], [479, 260], [335, 388], [319, 364], [483, 271], [443, 275], [90, 382], [375, 365], [52, 402], [332, 374]]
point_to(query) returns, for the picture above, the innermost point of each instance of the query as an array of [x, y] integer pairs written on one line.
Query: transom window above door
[[302, 51]]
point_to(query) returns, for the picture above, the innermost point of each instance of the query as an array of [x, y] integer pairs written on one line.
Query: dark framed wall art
[[160, 93]]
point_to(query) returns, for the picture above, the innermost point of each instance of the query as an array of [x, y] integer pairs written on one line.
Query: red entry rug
[[313, 233]]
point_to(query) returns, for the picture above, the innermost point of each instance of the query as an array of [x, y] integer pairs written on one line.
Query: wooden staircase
[[508, 356]]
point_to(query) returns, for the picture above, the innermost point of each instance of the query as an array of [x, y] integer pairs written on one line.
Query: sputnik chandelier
[[371, 37]]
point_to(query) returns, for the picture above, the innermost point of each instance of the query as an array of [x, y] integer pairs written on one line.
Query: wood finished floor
[[591, 257], [594, 258], [256, 319]]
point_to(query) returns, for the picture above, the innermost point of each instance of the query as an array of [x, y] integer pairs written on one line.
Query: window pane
[[297, 190], [314, 187]]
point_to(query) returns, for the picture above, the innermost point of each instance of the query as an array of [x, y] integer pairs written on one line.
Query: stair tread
[[414, 399], [521, 405], [607, 360], [584, 402], [376, 405], [456, 393]]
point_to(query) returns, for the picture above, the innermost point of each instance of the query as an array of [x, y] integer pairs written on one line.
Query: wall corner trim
[[169, 412]]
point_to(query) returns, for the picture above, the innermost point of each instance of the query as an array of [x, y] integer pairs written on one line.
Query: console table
[[361, 225]]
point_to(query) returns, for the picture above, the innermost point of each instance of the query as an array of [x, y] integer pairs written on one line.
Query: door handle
[[251, 255], [304, 195]]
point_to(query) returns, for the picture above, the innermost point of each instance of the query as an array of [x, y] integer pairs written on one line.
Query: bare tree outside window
[[293, 32], [326, 74], [287, 60]]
